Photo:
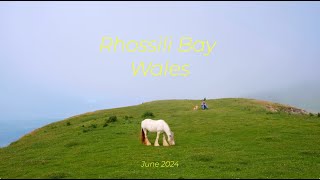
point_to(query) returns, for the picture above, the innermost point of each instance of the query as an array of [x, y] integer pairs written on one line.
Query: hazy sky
[[51, 65]]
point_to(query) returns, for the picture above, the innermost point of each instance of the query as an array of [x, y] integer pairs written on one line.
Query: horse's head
[[171, 139]]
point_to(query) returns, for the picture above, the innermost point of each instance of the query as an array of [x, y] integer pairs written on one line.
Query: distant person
[[204, 104]]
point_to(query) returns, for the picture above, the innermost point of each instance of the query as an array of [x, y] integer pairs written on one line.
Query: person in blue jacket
[[204, 104]]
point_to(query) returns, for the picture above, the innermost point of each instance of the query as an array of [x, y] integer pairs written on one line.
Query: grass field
[[235, 138]]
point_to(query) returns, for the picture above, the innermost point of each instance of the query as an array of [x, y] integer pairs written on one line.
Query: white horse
[[158, 126]]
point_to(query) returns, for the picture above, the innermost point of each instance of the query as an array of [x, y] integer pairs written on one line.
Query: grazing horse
[[158, 126]]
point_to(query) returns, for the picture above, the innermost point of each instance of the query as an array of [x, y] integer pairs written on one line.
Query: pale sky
[[51, 65]]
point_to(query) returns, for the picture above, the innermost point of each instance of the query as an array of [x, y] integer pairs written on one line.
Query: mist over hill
[[304, 95]]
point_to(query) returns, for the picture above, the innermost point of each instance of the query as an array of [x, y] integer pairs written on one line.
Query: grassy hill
[[235, 138]]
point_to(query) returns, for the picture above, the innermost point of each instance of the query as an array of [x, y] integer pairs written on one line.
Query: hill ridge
[[234, 138]]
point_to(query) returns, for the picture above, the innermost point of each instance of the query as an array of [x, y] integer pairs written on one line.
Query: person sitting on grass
[[204, 104]]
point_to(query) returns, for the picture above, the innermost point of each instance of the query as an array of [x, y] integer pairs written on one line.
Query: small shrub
[[310, 114], [318, 114], [147, 114], [89, 128], [112, 119], [105, 124], [68, 123], [93, 126], [127, 119]]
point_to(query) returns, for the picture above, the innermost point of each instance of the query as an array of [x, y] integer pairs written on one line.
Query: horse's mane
[[143, 138]]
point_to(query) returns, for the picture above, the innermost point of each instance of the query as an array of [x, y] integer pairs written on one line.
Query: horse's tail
[[142, 136]]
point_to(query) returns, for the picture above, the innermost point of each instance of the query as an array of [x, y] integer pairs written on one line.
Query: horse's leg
[[164, 143], [156, 143], [147, 142]]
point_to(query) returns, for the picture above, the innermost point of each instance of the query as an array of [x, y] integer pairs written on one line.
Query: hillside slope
[[235, 138]]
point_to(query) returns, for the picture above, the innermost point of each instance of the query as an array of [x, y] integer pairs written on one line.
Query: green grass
[[235, 138]]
